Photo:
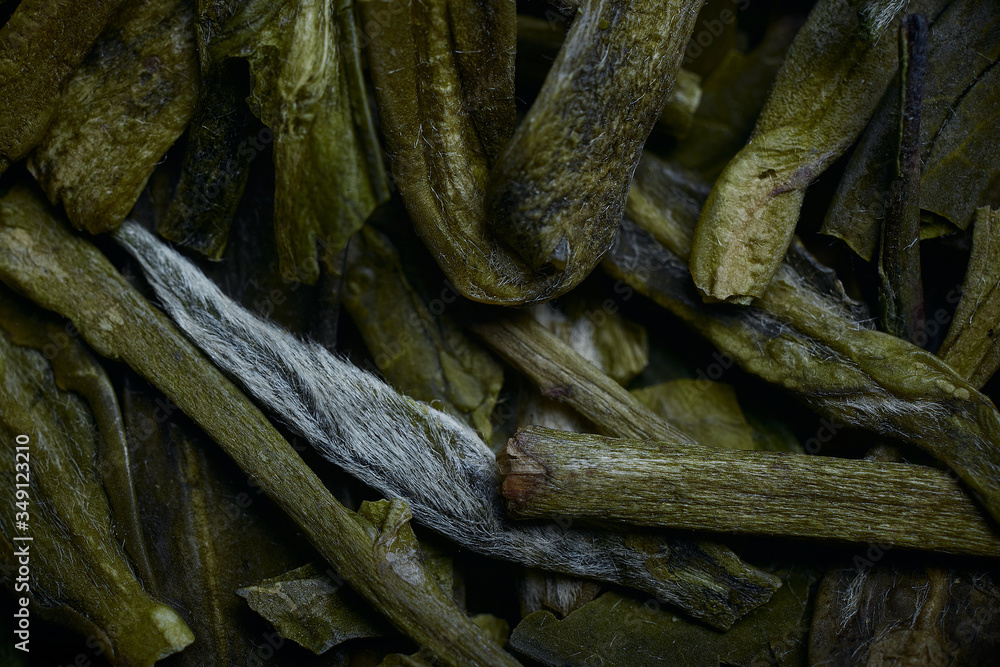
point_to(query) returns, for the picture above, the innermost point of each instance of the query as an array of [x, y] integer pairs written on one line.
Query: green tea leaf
[[707, 411], [598, 105], [221, 144], [821, 100], [622, 631], [971, 346], [309, 90], [75, 369], [40, 47], [202, 518], [310, 609], [732, 96], [851, 375], [119, 113], [78, 572], [964, 43]]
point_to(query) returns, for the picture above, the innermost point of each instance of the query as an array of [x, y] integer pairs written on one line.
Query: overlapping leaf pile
[[281, 281]]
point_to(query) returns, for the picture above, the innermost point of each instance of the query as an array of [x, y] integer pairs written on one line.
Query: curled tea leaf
[[40, 47], [78, 572], [407, 449], [822, 97], [121, 110], [971, 346]]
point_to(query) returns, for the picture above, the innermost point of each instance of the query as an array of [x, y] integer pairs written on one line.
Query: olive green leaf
[[732, 96], [309, 90], [221, 145], [821, 100], [598, 105], [971, 344], [42, 259], [310, 608], [119, 113], [849, 374], [203, 519], [963, 45], [619, 631], [78, 572], [707, 411], [41, 45], [901, 294], [313, 607], [427, 59]]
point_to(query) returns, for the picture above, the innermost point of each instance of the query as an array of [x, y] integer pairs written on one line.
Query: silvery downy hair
[[406, 449]]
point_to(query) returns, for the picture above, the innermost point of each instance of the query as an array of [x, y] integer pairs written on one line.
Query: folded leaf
[[971, 346], [597, 107], [78, 572], [309, 90], [222, 142], [119, 113], [964, 42], [831, 81], [41, 45]]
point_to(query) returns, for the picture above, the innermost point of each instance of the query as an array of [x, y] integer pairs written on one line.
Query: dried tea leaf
[[665, 200], [221, 144], [964, 160], [63, 272], [538, 44], [202, 518], [497, 629], [419, 58], [971, 344], [119, 113], [963, 45], [309, 608], [597, 107], [421, 354], [514, 249], [313, 607], [732, 96], [851, 375], [821, 100], [707, 411], [78, 573], [76, 370], [308, 89], [620, 631], [41, 45], [551, 474]]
